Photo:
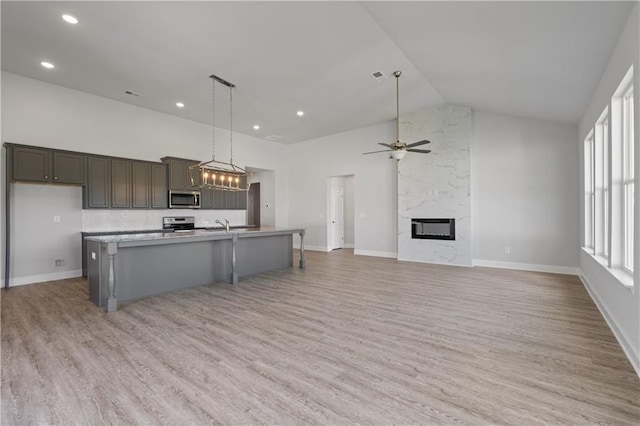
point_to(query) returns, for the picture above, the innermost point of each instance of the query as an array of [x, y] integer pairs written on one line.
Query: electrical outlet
[[59, 262], [507, 250], [56, 218]]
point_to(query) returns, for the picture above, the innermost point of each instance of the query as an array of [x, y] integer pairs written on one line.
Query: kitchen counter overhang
[[130, 266]]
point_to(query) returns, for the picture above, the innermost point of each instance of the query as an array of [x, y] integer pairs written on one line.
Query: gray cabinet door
[[180, 178], [120, 183], [206, 200], [158, 186], [230, 200], [68, 168], [98, 189], [30, 164], [242, 200], [218, 199], [177, 175], [140, 185]]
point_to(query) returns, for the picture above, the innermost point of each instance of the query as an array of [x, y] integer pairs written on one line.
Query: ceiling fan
[[399, 149]]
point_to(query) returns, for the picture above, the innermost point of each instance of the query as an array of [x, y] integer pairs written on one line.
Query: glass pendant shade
[[398, 154]]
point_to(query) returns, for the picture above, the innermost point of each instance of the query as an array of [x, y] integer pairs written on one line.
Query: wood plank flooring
[[351, 339]]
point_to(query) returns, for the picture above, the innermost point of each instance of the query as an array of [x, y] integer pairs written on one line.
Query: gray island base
[[126, 267]]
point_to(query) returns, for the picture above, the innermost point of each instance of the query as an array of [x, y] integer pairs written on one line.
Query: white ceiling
[[533, 59]]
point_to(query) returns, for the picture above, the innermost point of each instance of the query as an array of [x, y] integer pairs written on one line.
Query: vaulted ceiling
[[533, 59]]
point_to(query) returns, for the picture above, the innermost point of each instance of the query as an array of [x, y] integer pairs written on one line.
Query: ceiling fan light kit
[[399, 149], [218, 174]]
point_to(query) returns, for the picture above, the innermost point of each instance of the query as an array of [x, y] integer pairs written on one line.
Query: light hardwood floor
[[351, 339]]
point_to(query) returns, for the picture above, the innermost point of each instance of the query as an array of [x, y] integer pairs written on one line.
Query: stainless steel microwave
[[184, 199]]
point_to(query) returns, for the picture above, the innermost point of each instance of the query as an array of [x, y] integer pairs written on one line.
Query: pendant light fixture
[[217, 174]]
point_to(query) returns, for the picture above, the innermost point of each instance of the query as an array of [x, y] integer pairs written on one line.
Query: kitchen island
[[130, 266]]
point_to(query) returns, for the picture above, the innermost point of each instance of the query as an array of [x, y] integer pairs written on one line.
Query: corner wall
[[525, 192], [619, 305]]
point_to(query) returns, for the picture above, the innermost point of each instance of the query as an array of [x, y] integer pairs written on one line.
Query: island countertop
[[150, 238]]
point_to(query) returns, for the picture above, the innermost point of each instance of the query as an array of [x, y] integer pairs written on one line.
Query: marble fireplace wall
[[436, 185]]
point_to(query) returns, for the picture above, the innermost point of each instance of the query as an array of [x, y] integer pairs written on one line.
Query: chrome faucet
[[225, 224]]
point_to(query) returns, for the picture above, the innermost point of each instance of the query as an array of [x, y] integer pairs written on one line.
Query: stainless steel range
[[178, 223]]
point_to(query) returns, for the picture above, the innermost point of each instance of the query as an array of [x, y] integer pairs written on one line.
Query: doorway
[[253, 205], [336, 219], [340, 212]]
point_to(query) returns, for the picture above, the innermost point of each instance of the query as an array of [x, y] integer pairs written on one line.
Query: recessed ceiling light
[[70, 19], [179, 104], [300, 113], [256, 127], [46, 64]]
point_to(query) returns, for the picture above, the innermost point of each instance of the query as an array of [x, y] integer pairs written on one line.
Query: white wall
[[620, 305], [40, 240], [267, 197], [314, 161], [42, 114], [349, 212], [525, 192]]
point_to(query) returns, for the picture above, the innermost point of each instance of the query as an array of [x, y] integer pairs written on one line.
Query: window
[[589, 194], [609, 178], [628, 175], [601, 185]]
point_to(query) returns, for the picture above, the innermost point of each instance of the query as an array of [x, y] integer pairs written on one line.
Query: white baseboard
[[566, 270], [627, 347], [375, 253], [33, 279], [349, 246]]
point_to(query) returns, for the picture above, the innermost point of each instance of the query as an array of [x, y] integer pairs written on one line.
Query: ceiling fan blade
[[424, 151], [385, 144], [423, 142], [375, 152]]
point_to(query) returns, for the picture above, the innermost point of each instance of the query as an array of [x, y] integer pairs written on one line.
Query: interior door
[[336, 219]]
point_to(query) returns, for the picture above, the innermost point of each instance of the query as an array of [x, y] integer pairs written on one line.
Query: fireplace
[[433, 229]]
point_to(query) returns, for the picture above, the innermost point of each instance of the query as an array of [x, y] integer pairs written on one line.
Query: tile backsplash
[[124, 220]]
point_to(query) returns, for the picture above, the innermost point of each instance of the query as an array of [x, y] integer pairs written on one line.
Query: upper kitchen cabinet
[[32, 164], [140, 185], [97, 193], [179, 176], [148, 185], [158, 186], [68, 168], [120, 183]]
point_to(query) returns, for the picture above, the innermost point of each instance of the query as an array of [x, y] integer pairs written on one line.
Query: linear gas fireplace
[[433, 229]]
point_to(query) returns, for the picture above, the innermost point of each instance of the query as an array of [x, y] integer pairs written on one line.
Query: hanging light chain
[[231, 124], [213, 119]]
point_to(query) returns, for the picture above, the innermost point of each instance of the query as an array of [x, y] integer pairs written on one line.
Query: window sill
[[623, 277]]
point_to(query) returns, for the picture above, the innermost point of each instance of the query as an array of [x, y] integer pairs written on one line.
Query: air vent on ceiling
[[131, 93], [378, 75], [273, 138]]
